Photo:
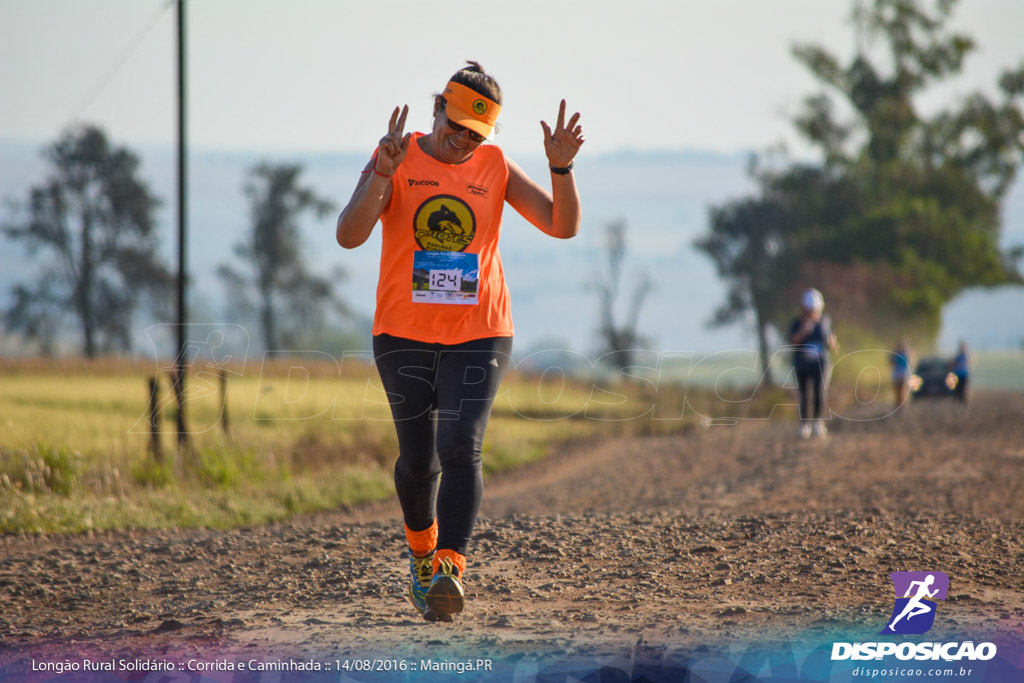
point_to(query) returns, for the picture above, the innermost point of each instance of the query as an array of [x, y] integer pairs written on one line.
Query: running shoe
[[805, 430], [422, 570], [820, 429], [445, 597]]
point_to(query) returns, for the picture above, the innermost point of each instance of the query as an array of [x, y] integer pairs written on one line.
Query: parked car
[[933, 377]]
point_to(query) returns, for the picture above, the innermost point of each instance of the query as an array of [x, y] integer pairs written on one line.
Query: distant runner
[[811, 334], [902, 359], [442, 331]]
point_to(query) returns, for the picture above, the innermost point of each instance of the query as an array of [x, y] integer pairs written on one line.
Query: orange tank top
[[441, 279]]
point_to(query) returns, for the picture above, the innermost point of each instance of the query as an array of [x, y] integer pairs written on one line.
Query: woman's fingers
[[562, 141], [570, 128], [396, 125], [400, 129], [396, 142]]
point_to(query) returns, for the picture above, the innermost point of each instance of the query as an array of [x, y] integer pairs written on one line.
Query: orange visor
[[469, 108]]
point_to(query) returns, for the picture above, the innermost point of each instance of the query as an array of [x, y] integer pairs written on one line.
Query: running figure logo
[[916, 592]]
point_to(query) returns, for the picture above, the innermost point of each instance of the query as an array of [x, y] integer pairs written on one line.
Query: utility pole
[[179, 377]]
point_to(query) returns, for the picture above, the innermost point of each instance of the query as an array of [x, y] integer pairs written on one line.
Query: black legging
[[441, 400], [810, 379]]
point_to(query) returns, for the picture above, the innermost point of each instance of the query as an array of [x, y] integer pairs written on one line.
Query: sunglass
[[473, 135]]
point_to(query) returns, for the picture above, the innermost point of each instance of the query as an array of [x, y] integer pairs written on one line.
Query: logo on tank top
[[444, 223]]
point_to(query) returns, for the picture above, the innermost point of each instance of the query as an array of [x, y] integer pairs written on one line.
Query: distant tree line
[[92, 223], [899, 215], [902, 212]]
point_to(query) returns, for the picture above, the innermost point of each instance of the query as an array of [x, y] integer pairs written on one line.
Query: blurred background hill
[[675, 97], [662, 196]]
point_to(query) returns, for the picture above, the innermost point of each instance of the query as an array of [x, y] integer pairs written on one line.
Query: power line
[[122, 59], [104, 80]]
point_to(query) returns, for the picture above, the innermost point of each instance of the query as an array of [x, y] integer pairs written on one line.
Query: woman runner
[[442, 330], [811, 335]]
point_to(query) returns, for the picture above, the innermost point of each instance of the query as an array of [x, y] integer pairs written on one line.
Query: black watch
[[562, 170]]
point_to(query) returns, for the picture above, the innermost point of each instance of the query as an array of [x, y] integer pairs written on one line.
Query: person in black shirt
[[812, 339]]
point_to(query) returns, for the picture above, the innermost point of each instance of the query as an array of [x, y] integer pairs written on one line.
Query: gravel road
[[612, 546]]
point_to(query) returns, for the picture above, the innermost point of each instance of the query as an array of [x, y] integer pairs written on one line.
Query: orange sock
[[422, 543], [457, 559]]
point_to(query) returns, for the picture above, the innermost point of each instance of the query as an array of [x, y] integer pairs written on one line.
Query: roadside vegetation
[[76, 451], [292, 439]]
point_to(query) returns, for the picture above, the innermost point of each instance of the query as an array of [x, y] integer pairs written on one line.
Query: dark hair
[[473, 76]]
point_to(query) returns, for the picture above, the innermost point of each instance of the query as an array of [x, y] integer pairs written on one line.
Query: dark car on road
[[933, 377]]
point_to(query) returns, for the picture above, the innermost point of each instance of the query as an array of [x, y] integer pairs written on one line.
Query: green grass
[[74, 436], [75, 456]]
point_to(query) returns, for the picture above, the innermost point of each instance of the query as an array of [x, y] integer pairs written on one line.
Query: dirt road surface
[[615, 547]]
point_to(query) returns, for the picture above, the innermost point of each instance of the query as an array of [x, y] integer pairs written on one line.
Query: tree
[[747, 244], [928, 189], [95, 220], [289, 300], [619, 341], [904, 203]]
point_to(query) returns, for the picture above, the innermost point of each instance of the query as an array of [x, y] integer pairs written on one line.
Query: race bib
[[445, 277]]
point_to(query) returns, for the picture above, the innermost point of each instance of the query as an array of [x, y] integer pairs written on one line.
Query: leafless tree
[[619, 340]]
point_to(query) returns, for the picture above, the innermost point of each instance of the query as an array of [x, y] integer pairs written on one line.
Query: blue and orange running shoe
[[422, 570], [445, 596]]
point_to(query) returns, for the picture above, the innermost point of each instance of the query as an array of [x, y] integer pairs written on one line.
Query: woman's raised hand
[[393, 146], [562, 143]]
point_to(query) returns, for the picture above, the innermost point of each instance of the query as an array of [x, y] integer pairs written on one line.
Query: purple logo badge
[[916, 593]]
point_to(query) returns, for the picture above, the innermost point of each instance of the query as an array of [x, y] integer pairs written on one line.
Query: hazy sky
[[310, 75], [273, 78]]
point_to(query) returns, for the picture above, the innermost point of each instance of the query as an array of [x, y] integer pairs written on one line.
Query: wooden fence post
[[225, 422], [154, 421], [184, 442]]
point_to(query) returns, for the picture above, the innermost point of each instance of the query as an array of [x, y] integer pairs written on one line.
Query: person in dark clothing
[[812, 339]]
